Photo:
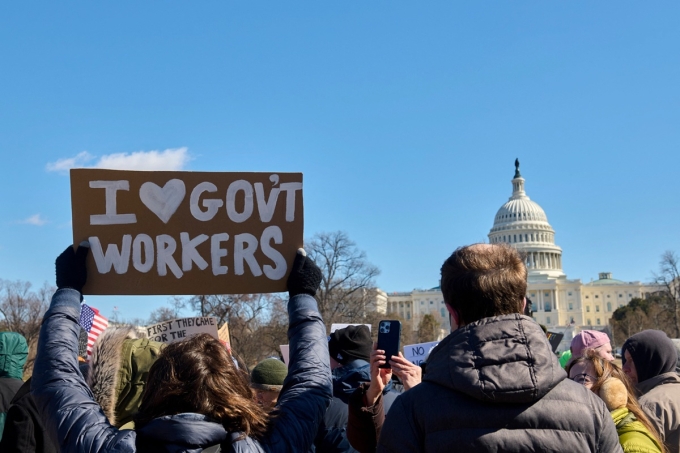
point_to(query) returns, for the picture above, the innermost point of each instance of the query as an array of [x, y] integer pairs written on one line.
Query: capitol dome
[[522, 223]]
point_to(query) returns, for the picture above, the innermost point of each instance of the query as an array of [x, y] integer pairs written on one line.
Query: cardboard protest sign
[[181, 328], [417, 353], [223, 335], [166, 232], [285, 350], [335, 327]]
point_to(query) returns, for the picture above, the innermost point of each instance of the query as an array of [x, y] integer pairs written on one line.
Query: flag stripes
[[93, 323]]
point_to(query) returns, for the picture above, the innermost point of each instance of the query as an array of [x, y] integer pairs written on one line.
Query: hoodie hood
[[180, 433], [502, 359], [13, 355], [652, 352]]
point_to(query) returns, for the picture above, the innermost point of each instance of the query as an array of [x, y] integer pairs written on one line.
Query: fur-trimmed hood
[[118, 371]]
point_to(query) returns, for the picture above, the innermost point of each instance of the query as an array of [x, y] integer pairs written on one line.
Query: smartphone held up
[[389, 339]]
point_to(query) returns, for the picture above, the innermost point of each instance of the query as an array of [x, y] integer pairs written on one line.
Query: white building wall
[[557, 303]]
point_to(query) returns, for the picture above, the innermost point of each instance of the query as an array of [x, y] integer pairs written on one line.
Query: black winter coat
[[24, 430], [495, 385]]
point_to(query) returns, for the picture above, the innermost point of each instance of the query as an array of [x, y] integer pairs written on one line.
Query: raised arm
[[307, 389], [72, 418]]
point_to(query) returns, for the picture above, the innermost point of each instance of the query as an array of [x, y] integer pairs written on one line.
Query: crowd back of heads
[[605, 370], [198, 375], [483, 280]]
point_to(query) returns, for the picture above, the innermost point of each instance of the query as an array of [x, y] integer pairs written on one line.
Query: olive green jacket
[[118, 371]]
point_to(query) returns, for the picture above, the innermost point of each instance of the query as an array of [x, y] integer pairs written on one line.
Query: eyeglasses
[[584, 379]]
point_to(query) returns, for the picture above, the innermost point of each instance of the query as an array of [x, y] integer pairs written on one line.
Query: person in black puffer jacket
[[170, 419], [494, 384]]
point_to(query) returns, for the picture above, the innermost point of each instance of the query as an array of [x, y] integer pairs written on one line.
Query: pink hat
[[587, 339]]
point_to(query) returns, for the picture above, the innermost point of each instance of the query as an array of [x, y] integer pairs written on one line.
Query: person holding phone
[[494, 384], [366, 408]]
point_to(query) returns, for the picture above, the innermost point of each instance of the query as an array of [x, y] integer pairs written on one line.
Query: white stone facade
[[413, 305], [559, 303]]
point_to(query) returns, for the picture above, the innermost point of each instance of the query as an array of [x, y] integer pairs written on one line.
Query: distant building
[[563, 305], [413, 305]]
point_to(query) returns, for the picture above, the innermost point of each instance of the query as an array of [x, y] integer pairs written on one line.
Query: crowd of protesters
[[493, 384]]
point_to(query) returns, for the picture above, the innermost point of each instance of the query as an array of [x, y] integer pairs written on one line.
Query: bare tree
[[245, 314], [669, 278], [274, 332], [161, 314], [347, 289], [627, 322], [171, 311], [22, 311]]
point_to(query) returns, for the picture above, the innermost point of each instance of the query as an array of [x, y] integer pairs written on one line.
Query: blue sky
[[405, 119]]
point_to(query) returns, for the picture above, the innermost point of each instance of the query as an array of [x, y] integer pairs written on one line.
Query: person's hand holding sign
[[70, 267], [305, 276]]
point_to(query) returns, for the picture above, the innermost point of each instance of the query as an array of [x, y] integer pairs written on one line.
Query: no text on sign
[[166, 232]]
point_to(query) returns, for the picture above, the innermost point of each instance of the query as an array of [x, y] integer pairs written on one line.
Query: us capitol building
[[562, 304]]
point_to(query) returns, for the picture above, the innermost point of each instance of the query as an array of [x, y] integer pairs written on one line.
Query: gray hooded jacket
[[495, 385]]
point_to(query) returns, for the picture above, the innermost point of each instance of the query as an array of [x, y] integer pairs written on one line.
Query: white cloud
[[64, 165], [169, 159], [36, 219]]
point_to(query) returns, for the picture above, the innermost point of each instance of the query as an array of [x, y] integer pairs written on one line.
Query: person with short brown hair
[[480, 281], [494, 384]]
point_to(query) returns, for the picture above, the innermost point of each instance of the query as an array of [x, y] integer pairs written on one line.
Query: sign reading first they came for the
[[185, 233]]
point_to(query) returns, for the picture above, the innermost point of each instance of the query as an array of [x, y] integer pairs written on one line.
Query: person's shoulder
[[568, 391], [662, 394], [568, 388], [245, 445], [426, 394]]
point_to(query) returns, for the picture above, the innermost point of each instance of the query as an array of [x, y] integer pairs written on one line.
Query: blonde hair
[[607, 370]]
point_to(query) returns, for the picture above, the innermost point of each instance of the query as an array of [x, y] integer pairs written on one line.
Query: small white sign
[[335, 327], [416, 353], [179, 329]]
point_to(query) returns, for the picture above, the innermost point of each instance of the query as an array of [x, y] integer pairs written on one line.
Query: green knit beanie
[[269, 375]]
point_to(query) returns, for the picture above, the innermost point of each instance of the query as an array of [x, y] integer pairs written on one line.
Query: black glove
[[70, 266], [305, 277]]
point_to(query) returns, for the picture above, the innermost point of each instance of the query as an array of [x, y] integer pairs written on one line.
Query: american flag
[[93, 323]]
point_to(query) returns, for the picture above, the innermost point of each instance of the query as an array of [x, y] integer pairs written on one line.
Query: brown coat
[[364, 422], [661, 402]]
